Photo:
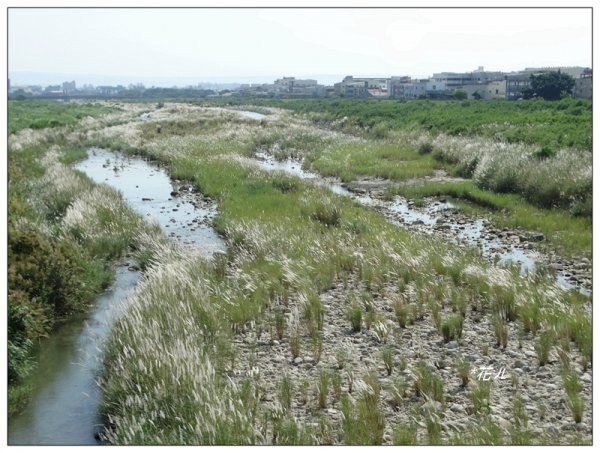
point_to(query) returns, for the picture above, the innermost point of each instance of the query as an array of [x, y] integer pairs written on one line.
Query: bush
[[328, 214], [425, 148], [354, 315], [285, 183], [452, 328]]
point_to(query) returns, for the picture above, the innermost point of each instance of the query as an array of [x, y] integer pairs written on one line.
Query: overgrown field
[[44, 114], [324, 323], [556, 125]]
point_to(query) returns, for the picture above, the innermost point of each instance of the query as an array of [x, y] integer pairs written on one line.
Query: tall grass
[[281, 256]]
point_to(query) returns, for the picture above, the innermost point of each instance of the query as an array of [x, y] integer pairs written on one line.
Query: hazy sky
[[213, 44]]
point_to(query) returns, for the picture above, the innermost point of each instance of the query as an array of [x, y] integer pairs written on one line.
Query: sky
[[188, 46]]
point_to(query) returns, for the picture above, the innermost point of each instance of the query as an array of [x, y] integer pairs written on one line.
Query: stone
[[586, 377], [457, 408], [431, 406], [298, 360], [452, 345]]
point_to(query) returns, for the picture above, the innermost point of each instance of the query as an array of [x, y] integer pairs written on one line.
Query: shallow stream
[[65, 399]]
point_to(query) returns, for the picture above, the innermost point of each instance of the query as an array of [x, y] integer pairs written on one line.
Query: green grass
[[36, 114], [547, 123], [378, 160], [571, 236]]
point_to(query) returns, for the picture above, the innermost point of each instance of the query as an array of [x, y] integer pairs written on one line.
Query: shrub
[[463, 366], [279, 323], [313, 313], [452, 328], [398, 391], [428, 384], [543, 346], [401, 312], [295, 343], [425, 148], [323, 388], [340, 356], [354, 315], [286, 390], [285, 183], [500, 330], [480, 396], [328, 213], [388, 359], [405, 434]]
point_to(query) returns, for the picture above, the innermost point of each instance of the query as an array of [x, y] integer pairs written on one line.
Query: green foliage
[[363, 422], [48, 279], [329, 214], [501, 331], [35, 114], [405, 435], [354, 315], [460, 94], [543, 346], [323, 387], [452, 327], [286, 391], [401, 311], [551, 85], [387, 356], [463, 366], [480, 396], [427, 383], [425, 148], [279, 323], [540, 122]]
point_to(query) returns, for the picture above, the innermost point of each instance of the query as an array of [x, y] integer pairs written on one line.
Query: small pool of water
[[253, 115]]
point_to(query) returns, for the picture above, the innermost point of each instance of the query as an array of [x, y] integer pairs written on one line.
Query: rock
[[174, 193], [554, 430], [298, 360], [146, 199], [536, 237], [431, 406], [586, 377], [457, 408], [519, 364], [452, 345]]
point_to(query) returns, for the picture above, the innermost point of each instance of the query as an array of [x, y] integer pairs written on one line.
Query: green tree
[[551, 85], [460, 94]]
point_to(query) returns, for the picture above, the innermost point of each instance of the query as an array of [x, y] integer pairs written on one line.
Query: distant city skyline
[[190, 46]]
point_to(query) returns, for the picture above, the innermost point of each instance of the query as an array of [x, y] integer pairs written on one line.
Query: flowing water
[[64, 405]]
